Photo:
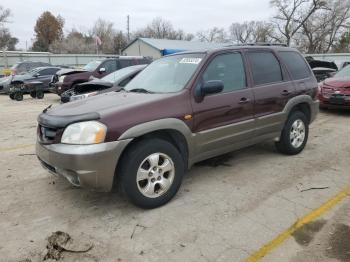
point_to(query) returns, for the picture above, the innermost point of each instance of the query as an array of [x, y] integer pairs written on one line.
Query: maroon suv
[[180, 110], [68, 78]]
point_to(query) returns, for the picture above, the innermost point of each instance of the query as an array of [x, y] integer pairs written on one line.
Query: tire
[[12, 96], [137, 160], [33, 94], [18, 96], [294, 134], [40, 94]]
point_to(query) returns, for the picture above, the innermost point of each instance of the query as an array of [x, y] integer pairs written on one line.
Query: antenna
[[128, 27]]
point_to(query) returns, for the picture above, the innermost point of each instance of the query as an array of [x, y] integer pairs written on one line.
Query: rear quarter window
[[296, 64]]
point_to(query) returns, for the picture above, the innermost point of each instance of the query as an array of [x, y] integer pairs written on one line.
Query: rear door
[[225, 119], [272, 89]]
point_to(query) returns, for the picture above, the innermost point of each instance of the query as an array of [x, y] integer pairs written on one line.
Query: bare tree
[[215, 34], [4, 15], [162, 29], [324, 28], [292, 14], [6, 39], [106, 32], [251, 32]]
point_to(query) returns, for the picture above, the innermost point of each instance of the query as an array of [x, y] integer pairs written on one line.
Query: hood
[[70, 71], [318, 63], [21, 77], [105, 103], [341, 82], [94, 85]]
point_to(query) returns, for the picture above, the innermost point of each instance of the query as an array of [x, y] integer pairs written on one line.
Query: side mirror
[[210, 87], [37, 75], [102, 70]]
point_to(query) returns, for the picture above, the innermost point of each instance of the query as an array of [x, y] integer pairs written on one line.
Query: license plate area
[[337, 99]]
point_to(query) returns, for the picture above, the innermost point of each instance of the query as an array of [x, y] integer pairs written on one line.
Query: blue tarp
[[171, 51]]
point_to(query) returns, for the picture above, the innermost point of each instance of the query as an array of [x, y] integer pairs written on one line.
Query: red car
[[334, 92]]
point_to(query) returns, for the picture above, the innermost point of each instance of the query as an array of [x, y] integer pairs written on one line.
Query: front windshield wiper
[[141, 90]]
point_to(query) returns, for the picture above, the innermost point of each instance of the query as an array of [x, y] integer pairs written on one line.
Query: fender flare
[[162, 124]]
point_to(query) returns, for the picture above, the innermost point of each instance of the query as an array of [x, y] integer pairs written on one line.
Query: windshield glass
[[343, 72], [91, 66], [167, 75], [120, 74]]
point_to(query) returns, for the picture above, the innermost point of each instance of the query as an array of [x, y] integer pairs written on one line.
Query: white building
[[156, 48]]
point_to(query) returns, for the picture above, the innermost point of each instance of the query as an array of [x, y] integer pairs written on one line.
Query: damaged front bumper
[[90, 166]]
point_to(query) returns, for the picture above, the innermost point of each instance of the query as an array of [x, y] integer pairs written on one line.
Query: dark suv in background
[[68, 78], [180, 110]]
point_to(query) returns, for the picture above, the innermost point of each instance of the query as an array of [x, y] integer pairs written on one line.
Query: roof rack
[[260, 44]]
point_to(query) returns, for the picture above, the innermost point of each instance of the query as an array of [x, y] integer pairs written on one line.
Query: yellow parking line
[[264, 250], [15, 148]]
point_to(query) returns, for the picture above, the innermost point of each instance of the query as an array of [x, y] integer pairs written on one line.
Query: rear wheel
[[18, 96], [151, 172], [40, 94], [294, 134], [33, 94]]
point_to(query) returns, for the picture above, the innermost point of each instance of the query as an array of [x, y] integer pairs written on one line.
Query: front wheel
[[294, 134], [33, 94], [151, 172], [18, 96]]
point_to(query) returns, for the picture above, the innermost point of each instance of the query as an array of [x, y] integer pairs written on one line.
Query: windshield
[[120, 74], [343, 72], [91, 66], [167, 75]]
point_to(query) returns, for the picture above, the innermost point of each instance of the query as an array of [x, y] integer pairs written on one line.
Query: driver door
[[225, 120]]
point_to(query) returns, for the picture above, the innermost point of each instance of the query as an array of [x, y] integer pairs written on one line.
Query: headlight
[[84, 133], [61, 79], [79, 97]]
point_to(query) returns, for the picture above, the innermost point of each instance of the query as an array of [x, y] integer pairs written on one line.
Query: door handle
[[285, 93], [244, 100]]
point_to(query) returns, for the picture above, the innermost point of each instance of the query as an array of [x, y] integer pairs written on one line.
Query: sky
[[189, 15]]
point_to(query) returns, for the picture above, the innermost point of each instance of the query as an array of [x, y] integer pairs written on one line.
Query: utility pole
[[128, 27]]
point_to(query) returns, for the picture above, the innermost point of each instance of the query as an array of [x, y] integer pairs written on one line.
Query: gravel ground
[[226, 209]]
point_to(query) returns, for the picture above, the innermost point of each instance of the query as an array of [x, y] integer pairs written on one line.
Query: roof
[[162, 44]]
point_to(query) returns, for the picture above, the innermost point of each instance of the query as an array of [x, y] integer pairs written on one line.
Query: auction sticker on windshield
[[190, 60]]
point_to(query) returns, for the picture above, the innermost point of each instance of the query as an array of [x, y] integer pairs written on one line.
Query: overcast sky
[[192, 16]]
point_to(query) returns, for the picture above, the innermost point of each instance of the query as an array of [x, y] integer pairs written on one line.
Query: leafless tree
[[324, 28], [251, 32], [4, 15], [215, 34], [162, 29], [292, 14]]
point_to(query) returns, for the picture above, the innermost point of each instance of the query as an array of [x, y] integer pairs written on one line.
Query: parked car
[[334, 92], [181, 109], [112, 82], [26, 66], [39, 74], [322, 69], [68, 78]]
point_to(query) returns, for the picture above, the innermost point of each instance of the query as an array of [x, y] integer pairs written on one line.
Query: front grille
[[47, 135]]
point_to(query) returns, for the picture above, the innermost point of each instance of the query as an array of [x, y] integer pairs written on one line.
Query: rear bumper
[[90, 166]]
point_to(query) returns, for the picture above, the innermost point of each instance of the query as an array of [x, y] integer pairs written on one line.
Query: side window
[[228, 68], [296, 64], [124, 63], [48, 71], [110, 66], [265, 68]]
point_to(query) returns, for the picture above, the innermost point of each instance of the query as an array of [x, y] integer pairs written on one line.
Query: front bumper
[[90, 166]]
